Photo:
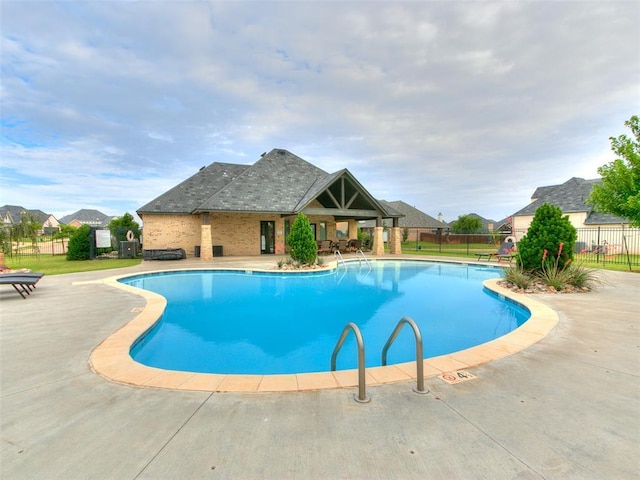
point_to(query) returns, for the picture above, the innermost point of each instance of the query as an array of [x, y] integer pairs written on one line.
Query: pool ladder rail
[[362, 387], [359, 253]]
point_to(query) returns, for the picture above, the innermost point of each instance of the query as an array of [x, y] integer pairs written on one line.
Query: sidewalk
[[566, 407]]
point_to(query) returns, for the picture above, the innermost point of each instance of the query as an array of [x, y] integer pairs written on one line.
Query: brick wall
[[237, 233], [171, 231]]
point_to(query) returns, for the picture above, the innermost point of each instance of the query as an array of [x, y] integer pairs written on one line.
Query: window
[[342, 229], [323, 231]]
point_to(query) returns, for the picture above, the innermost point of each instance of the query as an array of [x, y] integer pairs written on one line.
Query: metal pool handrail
[[419, 356], [359, 251], [339, 259], [362, 388]]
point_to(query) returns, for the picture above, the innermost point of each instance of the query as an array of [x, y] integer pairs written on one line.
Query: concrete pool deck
[[565, 407]]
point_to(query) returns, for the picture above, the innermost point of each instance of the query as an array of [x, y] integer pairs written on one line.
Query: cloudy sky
[[451, 106]]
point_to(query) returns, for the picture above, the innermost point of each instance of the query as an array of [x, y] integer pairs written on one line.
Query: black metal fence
[[57, 243], [45, 244], [594, 245]]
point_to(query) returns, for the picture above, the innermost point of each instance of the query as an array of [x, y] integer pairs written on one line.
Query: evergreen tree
[[302, 245], [549, 232]]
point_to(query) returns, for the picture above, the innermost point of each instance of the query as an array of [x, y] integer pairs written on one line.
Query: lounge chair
[[503, 253], [23, 282]]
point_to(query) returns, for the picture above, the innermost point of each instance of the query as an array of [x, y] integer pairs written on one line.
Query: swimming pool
[[272, 323]]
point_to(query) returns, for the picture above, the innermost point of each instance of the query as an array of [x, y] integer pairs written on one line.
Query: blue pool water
[[272, 323]]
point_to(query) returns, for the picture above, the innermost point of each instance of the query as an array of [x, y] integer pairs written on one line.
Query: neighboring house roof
[[87, 217], [571, 197], [280, 182], [13, 213], [413, 218], [503, 225], [485, 221]]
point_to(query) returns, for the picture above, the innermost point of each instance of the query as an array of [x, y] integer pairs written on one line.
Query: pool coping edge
[[111, 358]]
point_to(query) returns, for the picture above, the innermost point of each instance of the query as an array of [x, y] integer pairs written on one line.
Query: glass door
[[267, 237]]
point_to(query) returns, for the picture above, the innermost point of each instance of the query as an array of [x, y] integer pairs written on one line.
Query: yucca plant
[[581, 276], [553, 273], [518, 277]]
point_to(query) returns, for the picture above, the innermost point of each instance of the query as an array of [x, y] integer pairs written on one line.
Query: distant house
[[93, 218], [12, 214], [571, 197], [414, 220], [597, 232], [249, 209]]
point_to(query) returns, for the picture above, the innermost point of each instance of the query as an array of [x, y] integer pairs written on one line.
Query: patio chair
[[325, 247], [355, 245], [342, 245], [503, 253], [24, 282]]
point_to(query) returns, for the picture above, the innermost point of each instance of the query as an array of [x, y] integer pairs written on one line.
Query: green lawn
[[58, 264], [611, 262]]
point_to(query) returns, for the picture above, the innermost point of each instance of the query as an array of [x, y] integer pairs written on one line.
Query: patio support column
[[378, 240], [206, 243], [353, 230], [395, 240]]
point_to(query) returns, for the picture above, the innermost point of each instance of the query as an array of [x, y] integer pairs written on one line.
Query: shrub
[[554, 276], [581, 276], [79, 247], [302, 245], [548, 230], [518, 277]]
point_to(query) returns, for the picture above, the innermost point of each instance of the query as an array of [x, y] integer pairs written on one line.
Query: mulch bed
[[539, 287]]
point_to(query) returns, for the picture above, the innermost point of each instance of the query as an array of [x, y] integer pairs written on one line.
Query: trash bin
[[217, 250], [196, 251]]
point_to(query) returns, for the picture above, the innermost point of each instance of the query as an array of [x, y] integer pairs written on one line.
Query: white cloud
[[449, 106]]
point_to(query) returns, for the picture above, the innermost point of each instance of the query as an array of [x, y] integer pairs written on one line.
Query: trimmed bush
[[550, 238], [302, 246], [79, 244]]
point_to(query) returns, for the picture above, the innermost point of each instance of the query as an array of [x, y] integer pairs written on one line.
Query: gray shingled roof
[[413, 218], [15, 211], [570, 197], [87, 216], [275, 183], [280, 182], [188, 195], [316, 188]]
